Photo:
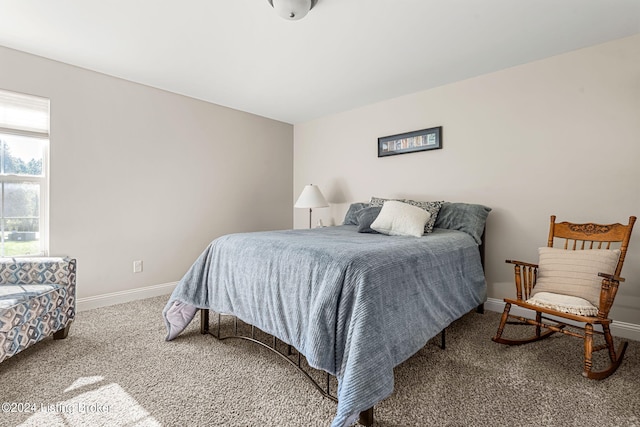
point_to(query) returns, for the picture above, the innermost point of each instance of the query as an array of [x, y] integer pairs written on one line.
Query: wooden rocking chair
[[573, 284]]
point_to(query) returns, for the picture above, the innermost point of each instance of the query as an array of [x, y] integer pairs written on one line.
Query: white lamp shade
[[311, 197], [292, 9]]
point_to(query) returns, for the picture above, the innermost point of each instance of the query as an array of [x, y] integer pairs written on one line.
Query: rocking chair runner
[[564, 291]]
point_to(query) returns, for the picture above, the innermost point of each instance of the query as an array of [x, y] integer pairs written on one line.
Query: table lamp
[[311, 197]]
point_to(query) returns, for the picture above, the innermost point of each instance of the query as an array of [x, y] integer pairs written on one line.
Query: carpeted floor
[[116, 370]]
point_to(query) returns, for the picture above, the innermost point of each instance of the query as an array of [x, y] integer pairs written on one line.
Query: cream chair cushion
[[564, 303]]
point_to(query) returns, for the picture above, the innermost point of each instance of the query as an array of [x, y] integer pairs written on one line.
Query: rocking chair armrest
[[611, 277], [608, 293], [525, 278], [522, 263]]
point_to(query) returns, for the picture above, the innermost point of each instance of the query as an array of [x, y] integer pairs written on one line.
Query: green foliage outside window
[[20, 204]]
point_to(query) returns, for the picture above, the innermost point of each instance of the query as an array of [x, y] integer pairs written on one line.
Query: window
[[24, 155]]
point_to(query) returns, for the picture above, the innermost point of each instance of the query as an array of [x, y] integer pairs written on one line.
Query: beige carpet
[[115, 369]]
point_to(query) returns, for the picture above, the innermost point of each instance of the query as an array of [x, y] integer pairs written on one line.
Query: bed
[[354, 302]]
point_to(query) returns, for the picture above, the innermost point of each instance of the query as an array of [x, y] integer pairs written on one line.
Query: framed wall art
[[410, 142]]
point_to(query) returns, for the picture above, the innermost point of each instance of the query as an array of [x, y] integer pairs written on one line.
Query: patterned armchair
[[37, 299]]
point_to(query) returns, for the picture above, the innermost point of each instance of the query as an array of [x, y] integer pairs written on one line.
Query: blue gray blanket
[[355, 304]]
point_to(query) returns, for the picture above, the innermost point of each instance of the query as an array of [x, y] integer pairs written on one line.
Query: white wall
[[142, 174], [557, 136]]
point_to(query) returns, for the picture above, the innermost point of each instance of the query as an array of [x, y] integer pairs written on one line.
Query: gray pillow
[[465, 217], [350, 217], [366, 217]]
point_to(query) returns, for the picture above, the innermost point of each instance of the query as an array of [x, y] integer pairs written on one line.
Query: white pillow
[[574, 272], [400, 219]]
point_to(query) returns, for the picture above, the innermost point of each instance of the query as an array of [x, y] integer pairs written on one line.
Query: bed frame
[[291, 355]]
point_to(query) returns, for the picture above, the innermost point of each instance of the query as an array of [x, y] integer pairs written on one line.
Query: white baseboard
[[618, 329], [113, 298]]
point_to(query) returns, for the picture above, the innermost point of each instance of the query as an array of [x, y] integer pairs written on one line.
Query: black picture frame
[[410, 142]]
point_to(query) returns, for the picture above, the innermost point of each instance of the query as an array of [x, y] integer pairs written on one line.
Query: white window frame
[[43, 181]]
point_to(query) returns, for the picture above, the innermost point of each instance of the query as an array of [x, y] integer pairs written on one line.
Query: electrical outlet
[[137, 266]]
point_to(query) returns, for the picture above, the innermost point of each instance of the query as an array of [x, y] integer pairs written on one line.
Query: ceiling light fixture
[[292, 10]]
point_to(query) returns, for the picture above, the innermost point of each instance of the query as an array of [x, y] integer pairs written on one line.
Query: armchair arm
[[522, 263], [526, 274], [36, 271], [608, 291], [56, 271], [611, 277]]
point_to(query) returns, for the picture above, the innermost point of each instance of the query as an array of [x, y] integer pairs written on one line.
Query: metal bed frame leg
[[204, 321], [443, 335], [366, 417]]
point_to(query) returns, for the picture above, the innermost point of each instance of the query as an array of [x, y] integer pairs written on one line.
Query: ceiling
[[342, 55]]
